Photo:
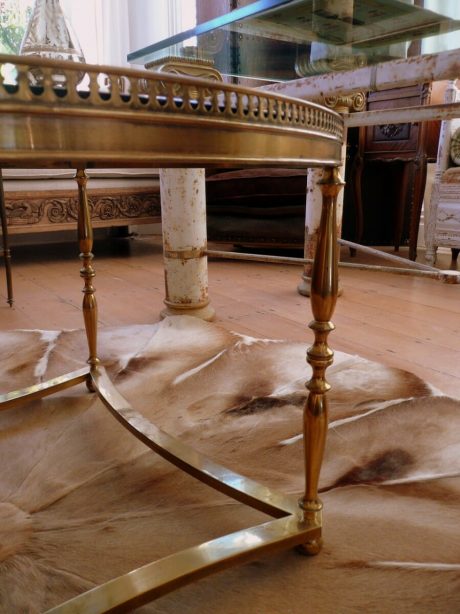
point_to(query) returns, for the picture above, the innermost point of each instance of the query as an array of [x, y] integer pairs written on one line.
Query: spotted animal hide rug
[[82, 501]]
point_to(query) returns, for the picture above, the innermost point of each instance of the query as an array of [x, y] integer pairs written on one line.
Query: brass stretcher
[[60, 114]]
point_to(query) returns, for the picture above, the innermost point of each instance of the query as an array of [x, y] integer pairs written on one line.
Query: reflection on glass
[[279, 40], [50, 35]]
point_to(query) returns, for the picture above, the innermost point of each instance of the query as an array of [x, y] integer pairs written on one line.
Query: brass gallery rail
[[73, 115]]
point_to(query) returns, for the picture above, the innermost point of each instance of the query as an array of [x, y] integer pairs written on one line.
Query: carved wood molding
[[346, 104], [43, 210], [391, 131]]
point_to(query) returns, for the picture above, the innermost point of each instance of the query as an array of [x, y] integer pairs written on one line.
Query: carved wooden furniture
[[44, 201], [262, 207], [38, 201], [442, 225], [304, 46], [51, 118], [5, 245], [395, 154]]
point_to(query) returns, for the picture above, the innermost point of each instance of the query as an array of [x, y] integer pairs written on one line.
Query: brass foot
[[310, 548], [90, 384], [312, 516]]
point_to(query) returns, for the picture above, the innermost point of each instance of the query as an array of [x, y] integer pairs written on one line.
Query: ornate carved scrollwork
[[305, 67], [134, 206], [391, 130], [105, 208], [61, 210], [201, 68], [21, 213], [346, 104]]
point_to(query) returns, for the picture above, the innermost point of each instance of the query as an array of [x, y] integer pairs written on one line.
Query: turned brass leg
[[85, 240], [324, 289], [6, 247]]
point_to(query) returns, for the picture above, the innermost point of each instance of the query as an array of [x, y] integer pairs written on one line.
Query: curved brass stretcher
[[60, 114]]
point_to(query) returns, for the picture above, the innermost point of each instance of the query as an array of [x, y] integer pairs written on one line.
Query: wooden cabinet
[[389, 170]]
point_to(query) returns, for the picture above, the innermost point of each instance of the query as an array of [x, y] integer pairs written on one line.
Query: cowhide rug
[[82, 501]]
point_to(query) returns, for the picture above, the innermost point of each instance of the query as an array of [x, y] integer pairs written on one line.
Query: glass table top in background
[[279, 40]]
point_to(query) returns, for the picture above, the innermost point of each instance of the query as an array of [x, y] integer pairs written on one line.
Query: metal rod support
[[392, 257], [403, 115], [449, 276]]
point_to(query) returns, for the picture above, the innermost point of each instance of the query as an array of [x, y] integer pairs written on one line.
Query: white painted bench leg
[[183, 214], [313, 208], [312, 219]]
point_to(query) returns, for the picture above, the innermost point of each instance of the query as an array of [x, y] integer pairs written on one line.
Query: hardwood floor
[[406, 322]]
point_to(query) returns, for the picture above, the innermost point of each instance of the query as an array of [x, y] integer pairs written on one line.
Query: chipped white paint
[[313, 208], [183, 213], [398, 73], [403, 115]]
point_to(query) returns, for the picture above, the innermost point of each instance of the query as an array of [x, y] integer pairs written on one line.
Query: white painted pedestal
[[183, 213], [313, 210]]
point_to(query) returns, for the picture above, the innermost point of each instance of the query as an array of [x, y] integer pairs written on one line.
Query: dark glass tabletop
[[280, 40]]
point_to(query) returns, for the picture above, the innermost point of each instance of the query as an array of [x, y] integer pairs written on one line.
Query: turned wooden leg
[[357, 196], [324, 289], [405, 195], [85, 240], [6, 247], [419, 182]]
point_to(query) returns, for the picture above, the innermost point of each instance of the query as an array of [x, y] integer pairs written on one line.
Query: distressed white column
[[442, 162], [313, 208], [328, 57], [183, 214]]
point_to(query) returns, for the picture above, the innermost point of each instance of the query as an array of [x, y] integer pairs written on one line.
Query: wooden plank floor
[[406, 322]]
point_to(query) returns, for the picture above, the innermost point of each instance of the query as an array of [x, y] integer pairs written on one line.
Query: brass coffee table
[[60, 114]]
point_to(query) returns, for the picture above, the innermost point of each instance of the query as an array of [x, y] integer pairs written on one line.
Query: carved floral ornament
[[346, 104], [391, 130], [25, 212]]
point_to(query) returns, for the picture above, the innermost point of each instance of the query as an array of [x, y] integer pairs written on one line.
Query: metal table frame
[[49, 119]]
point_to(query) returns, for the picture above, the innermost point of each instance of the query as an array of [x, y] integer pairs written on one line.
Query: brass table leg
[[6, 248], [324, 290], [85, 241], [295, 525]]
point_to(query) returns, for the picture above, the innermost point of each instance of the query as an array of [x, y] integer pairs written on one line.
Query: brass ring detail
[[185, 306], [185, 254]]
